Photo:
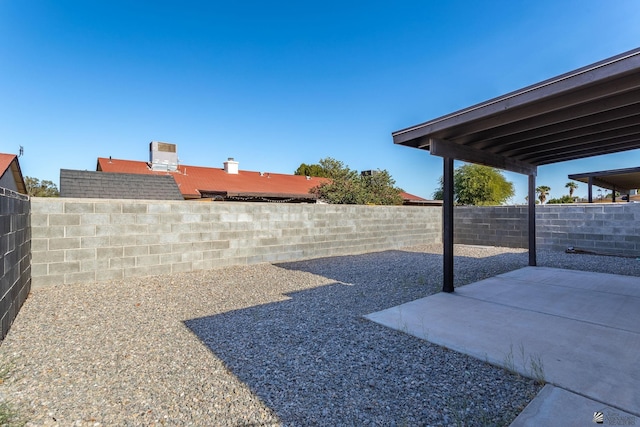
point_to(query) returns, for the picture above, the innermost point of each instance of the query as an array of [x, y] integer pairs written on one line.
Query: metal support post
[[447, 225], [532, 220]]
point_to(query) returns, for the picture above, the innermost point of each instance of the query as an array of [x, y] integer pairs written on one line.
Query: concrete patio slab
[[556, 407], [579, 331]]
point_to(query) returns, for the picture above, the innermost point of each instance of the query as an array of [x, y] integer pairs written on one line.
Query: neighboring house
[[226, 183], [197, 182], [89, 184], [10, 174], [412, 200]]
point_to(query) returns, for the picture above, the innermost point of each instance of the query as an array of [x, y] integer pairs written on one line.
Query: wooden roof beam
[[446, 149]]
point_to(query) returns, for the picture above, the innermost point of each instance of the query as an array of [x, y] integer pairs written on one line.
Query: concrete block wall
[[606, 228], [15, 256], [491, 226], [95, 240]]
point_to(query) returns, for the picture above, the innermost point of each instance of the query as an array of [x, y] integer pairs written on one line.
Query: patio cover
[[622, 180], [591, 111]]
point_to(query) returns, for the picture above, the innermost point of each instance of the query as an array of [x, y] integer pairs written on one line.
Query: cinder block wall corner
[[15, 255]]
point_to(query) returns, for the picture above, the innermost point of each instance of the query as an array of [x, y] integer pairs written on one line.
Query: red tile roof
[[411, 197], [10, 161], [194, 181], [5, 162], [197, 181]]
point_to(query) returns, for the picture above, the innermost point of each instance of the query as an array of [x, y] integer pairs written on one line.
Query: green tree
[[439, 193], [609, 195], [543, 192], [380, 188], [564, 199], [37, 188], [335, 169], [347, 186], [311, 170], [478, 185], [571, 186]]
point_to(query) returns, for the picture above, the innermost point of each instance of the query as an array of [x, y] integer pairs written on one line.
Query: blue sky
[[275, 84]]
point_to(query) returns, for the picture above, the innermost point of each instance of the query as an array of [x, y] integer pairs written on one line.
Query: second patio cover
[[622, 180]]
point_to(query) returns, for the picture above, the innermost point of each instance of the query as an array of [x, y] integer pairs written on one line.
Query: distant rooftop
[[196, 182], [11, 174], [231, 183], [90, 184]]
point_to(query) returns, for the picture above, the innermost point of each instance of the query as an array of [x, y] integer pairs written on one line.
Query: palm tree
[[571, 186], [542, 191]]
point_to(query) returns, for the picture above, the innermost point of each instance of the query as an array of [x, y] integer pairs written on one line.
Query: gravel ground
[[265, 344]]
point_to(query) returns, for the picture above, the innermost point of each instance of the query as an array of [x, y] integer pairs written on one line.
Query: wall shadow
[[315, 360], [408, 267]]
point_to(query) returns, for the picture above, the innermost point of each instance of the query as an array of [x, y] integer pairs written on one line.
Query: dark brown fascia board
[[607, 172]]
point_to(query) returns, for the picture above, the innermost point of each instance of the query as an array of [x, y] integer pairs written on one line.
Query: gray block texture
[[598, 227], [80, 240], [491, 226], [100, 240], [15, 255]]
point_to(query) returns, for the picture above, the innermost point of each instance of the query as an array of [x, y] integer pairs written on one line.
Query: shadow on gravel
[[314, 360]]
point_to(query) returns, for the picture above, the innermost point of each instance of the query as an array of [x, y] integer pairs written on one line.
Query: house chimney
[[231, 166]]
